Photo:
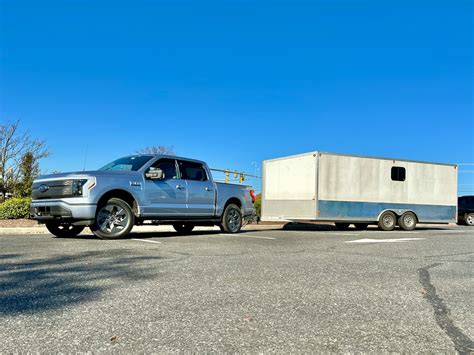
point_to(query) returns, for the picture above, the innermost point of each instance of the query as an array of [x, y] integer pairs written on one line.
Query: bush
[[14, 208]]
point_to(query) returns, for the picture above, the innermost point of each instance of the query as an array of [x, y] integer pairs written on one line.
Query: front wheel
[[183, 228], [231, 219], [114, 220], [387, 221], [64, 230], [469, 219]]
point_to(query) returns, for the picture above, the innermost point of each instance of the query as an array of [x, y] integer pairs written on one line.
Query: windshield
[[132, 163]]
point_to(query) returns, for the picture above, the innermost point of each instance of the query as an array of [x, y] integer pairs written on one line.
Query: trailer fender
[[398, 212]]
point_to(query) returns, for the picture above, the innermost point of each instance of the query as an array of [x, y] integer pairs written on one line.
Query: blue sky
[[232, 82]]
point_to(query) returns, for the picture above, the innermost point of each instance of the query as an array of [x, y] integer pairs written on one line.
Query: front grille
[[52, 189]]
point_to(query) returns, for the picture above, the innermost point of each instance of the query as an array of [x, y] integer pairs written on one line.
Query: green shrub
[[14, 208]]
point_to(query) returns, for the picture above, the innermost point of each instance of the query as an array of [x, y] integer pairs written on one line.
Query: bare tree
[[157, 149], [14, 145]]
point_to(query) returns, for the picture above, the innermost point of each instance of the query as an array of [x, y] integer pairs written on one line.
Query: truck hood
[[86, 174]]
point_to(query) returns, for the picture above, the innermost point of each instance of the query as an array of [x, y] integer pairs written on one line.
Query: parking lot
[[300, 288]]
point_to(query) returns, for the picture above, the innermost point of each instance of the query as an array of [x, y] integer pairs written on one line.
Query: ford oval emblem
[[43, 188]]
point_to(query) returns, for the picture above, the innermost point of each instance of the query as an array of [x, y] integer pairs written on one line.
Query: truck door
[[201, 194], [167, 196]]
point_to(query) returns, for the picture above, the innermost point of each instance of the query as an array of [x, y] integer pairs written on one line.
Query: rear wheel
[[407, 221], [387, 221], [114, 220], [231, 219], [469, 219], [342, 226], [361, 226], [64, 230], [183, 228]]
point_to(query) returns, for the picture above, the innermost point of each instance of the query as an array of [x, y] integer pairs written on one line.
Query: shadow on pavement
[[37, 285]]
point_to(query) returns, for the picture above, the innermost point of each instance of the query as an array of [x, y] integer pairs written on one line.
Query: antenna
[[85, 158]]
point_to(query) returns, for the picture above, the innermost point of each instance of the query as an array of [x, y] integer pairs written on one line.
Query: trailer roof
[[361, 156]]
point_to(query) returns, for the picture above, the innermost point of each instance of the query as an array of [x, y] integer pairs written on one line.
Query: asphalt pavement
[[298, 289]]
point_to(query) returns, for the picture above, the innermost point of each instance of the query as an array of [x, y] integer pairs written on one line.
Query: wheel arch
[[398, 213], [124, 195]]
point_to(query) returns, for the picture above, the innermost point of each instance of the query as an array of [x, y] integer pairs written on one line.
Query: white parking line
[[248, 236], [367, 240], [147, 241]]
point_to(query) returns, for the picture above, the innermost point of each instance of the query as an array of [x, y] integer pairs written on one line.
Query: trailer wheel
[[361, 226], [342, 226], [183, 228], [387, 221], [407, 221], [231, 219], [114, 220], [64, 230]]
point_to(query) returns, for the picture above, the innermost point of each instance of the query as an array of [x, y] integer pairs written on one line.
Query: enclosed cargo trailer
[[348, 189]]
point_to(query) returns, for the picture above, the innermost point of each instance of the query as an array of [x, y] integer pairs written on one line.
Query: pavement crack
[[443, 255], [462, 342]]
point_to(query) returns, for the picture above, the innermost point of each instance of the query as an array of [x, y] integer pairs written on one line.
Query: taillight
[[252, 195]]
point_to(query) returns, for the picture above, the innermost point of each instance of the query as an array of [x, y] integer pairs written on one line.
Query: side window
[[398, 173], [168, 166], [192, 171]]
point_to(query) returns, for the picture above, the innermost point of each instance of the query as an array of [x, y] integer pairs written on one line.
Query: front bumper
[[44, 211]]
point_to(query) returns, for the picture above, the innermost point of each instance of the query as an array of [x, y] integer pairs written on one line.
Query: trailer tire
[[64, 230], [342, 226], [183, 228], [387, 221], [231, 219], [361, 226], [407, 221]]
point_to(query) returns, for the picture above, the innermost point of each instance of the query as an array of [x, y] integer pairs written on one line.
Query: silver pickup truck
[[130, 190]]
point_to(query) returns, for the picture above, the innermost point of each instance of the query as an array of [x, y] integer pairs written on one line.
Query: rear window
[[192, 171]]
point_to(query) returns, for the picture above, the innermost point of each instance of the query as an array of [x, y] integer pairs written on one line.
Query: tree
[[157, 150], [28, 171], [14, 146]]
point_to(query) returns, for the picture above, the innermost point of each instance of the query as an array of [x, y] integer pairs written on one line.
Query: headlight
[[77, 187]]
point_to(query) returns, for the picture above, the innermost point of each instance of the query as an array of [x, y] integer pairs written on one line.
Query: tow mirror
[[155, 174]]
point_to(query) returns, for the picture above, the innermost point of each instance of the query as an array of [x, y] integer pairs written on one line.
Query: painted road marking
[[147, 241], [249, 236], [367, 240]]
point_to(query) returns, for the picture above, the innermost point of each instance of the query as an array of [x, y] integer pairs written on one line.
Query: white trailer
[[348, 189]]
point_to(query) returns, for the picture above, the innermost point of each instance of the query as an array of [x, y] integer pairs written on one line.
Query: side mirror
[[155, 174]]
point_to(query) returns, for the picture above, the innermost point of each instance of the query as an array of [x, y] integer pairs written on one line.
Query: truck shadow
[[51, 283]]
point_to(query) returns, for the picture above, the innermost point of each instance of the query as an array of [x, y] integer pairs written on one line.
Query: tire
[[387, 221], [342, 226], [231, 219], [64, 230], [114, 220], [469, 219], [407, 221], [361, 226], [183, 228]]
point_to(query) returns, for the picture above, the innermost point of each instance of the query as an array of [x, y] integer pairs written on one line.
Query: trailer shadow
[[49, 283], [331, 227]]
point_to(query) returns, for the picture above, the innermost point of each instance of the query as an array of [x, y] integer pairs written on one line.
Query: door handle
[[208, 189], [180, 187]]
